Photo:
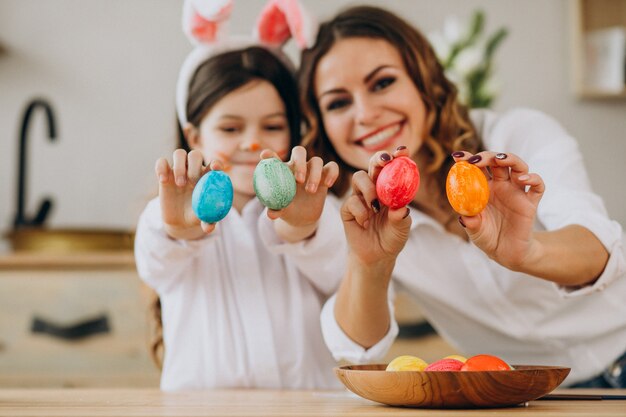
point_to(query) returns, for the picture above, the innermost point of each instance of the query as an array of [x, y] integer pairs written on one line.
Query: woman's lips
[[382, 138]]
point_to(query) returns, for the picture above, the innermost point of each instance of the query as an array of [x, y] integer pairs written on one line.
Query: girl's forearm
[[571, 256], [361, 308]]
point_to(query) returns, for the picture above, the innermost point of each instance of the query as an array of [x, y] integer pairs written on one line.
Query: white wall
[[109, 69]]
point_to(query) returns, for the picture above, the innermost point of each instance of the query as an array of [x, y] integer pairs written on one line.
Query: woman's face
[[240, 125], [367, 100]]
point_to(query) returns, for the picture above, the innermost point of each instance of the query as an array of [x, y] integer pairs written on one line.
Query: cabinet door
[[66, 298]]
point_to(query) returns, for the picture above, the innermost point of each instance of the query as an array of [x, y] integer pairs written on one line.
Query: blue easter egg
[[274, 183], [212, 197]]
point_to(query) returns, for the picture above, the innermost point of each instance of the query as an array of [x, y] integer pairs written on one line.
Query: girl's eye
[[229, 129], [383, 83], [337, 104], [275, 128]]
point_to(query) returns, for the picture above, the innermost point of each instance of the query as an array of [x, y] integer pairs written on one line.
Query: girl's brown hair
[[448, 125], [214, 79]]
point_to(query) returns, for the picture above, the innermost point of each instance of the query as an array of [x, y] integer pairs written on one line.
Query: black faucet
[[46, 205]]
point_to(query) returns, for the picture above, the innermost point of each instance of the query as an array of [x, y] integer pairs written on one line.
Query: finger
[[274, 214], [535, 184], [163, 170], [400, 216], [401, 151], [355, 209], [215, 165], [330, 173], [194, 166], [362, 185], [460, 155], [377, 162], [207, 227], [472, 225], [180, 167], [268, 153], [298, 163], [479, 160], [314, 174]]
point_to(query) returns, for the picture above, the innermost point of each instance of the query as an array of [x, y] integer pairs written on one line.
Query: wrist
[[184, 233], [294, 233]]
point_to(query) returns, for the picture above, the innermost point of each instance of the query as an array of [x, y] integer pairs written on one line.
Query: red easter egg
[[467, 189], [485, 363], [398, 182], [445, 365]]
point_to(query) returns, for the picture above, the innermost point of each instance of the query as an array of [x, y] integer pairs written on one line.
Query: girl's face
[[240, 125], [367, 100]]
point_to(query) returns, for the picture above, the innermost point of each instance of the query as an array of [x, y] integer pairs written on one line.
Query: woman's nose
[[366, 111]]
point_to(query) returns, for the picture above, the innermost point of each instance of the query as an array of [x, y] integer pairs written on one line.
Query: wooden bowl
[[447, 389]]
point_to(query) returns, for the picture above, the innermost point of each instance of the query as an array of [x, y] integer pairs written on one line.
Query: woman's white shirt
[[481, 307], [237, 312]]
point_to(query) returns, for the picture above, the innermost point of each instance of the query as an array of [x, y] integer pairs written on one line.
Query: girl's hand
[[504, 229], [313, 179], [375, 233], [176, 185]]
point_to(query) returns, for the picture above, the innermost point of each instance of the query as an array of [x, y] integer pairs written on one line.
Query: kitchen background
[[109, 70]]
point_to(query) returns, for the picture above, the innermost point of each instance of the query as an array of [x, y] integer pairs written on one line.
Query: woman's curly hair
[[447, 122]]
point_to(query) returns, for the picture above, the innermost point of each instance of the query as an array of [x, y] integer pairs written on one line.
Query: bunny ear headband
[[204, 23]]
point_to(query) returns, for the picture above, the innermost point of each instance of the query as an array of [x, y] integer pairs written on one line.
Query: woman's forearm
[[571, 256], [362, 308]]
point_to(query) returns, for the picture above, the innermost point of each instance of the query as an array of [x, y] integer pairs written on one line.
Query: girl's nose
[[250, 146]]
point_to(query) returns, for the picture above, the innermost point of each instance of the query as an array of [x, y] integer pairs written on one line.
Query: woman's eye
[[337, 104], [229, 129], [383, 83]]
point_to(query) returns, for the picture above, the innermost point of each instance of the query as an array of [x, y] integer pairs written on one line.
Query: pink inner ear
[[273, 27], [202, 29]]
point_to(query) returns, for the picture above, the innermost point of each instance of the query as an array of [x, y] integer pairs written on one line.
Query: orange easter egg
[[467, 189], [485, 363]]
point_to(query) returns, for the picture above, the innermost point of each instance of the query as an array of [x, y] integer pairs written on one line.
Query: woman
[[533, 283]]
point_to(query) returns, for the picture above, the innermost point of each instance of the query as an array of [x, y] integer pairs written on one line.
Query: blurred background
[[100, 77]]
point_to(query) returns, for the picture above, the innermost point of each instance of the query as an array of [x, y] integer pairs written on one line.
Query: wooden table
[[152, 402]]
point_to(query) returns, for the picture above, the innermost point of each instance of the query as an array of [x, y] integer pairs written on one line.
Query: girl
[[237, 312], [532, 283]]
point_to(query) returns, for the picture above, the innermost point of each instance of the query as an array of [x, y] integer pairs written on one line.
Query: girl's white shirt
[[236, 311], [481, 307]]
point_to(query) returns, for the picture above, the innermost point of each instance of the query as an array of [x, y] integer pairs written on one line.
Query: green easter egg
[[274, 183]]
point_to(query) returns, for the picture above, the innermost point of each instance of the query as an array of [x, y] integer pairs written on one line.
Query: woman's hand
[[299, 219], [176, 183], [504, 229], [375, 233]]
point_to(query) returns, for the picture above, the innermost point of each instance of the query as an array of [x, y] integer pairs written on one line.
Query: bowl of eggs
[[481, 381]]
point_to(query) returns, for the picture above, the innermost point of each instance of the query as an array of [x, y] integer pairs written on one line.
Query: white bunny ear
[[203, 19], [281, 19]]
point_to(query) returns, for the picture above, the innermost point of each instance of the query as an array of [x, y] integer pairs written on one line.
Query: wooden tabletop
[[152, 402]]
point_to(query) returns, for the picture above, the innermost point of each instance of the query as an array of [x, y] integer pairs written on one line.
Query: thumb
[[400, 218], [472, 224]]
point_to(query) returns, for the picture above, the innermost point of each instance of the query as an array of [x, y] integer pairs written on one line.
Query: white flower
[[469, 59], [440, 45], [453, 30], [459, 81]]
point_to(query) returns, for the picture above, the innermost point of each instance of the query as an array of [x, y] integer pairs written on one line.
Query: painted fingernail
[[401, 148], [474, 159], [458, 154], [524, 177], [385, 157], [375, 205], [501, 156], [408, 211], [461, 221]]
